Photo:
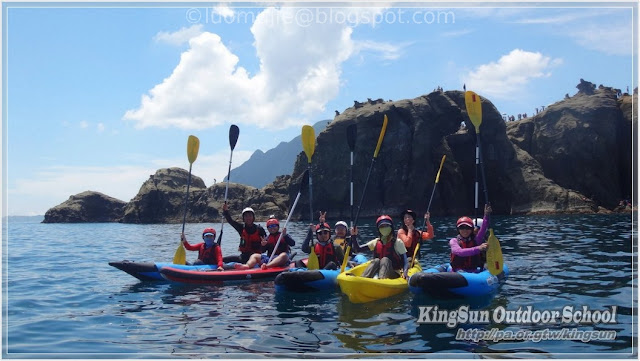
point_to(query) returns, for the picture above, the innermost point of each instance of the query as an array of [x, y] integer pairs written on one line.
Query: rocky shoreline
[[573, 157]]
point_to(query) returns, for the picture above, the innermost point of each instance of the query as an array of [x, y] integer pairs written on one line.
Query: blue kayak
[[440, 281], [150, 271], [303, 280]]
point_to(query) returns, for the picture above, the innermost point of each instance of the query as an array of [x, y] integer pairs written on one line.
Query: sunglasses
[[323, 232], [273, 226], [209, 236], [465, 227]]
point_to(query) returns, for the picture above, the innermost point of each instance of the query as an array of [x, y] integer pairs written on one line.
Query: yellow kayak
[[362, 289]]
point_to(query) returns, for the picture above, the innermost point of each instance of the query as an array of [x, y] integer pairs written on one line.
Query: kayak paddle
[[193, 145], [309, 146], [352, 133], [303, 183], [366, 182], [234, 132], [474, 110], [434, 186]]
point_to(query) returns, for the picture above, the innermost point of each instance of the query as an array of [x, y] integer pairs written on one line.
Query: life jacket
[[466, 263], [325, 254], [271, 244], [250, 242], [208, 255], [388, 250], [410, 241]]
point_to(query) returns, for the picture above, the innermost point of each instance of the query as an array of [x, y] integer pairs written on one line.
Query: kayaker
[[410, 236], [251, 234], [467, 247], [329, 255], [208, 251], [389, 253], [341, 240], [283, 253]]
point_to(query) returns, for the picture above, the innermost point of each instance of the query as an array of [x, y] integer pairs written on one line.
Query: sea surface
[[62, 300]]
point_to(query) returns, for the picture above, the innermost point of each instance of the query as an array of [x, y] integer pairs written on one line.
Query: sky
[[100, 96]]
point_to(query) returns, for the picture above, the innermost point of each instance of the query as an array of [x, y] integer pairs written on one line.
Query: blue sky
[[98, 97]]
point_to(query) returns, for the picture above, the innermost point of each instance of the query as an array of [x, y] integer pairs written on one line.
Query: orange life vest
[[325, 254], [250, 242]]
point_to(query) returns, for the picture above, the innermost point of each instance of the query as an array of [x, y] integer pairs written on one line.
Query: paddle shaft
[[351, 188], [364, 191], [285, 226], [226, 192], [186, 199]]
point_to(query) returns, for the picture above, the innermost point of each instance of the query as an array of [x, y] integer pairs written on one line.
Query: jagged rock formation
[[582, 143], [161, 197], [86, 207], [573, 157], [270, 200]]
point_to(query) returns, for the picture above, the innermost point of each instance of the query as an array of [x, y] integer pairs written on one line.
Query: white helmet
[[477, 223], [248, 209], [341, 223]]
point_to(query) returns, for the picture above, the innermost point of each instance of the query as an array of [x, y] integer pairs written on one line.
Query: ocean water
[[62, 300]]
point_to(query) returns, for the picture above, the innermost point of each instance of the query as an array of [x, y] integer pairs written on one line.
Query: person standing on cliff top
[[251, 234]]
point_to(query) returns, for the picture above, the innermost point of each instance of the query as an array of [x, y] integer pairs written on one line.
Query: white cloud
[[223, 10], [300, 71], [611, 40], [84, 124], [178, 37], [101, 127], [386, 51], [507, 77], [54, 185]]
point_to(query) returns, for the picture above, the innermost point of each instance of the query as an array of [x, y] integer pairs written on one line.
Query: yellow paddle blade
[[193, 145], [308, 141], [181, 255], [313, 263], [346, 258], [381, 137], [415, 253], [441, 163], [474, 109], [494, 254]]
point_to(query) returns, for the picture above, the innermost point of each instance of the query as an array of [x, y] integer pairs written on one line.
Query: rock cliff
[[86, 207], [573, 157]]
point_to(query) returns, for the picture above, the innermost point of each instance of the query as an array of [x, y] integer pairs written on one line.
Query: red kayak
[[217, 277]]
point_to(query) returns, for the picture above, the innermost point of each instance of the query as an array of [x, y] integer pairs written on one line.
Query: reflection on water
[[85, 306]]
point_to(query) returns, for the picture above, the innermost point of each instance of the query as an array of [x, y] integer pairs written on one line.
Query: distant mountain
[[263, 167]]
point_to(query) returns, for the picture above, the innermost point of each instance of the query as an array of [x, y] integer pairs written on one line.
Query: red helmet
[[384, 219], [272, 222], [209, 230], [464, 221], [323, 227]]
